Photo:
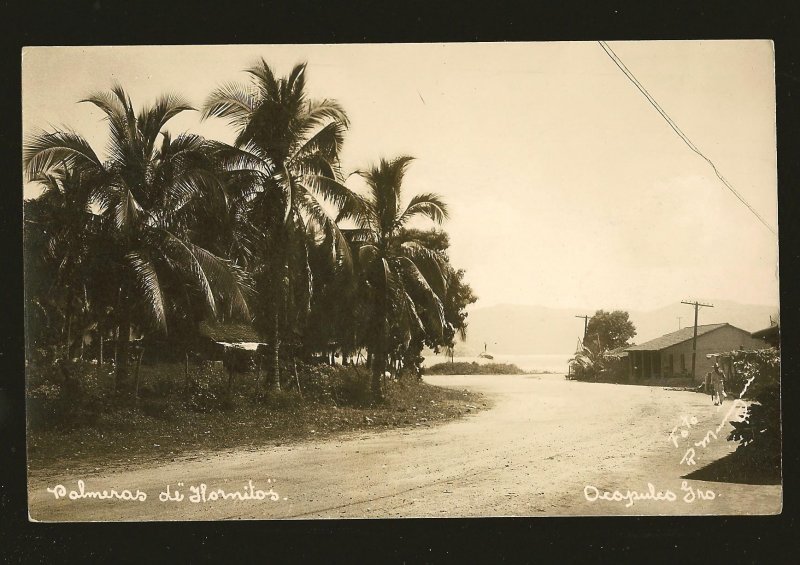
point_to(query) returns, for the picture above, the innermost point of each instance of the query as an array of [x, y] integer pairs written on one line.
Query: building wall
[[726, 338]]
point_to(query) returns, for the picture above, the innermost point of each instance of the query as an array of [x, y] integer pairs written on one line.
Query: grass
[[163, 428], [474, 368]]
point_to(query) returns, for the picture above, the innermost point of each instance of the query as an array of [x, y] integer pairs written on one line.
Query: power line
[[674, 126]]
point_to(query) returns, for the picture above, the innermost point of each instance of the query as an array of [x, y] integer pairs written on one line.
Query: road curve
[[547, 447]]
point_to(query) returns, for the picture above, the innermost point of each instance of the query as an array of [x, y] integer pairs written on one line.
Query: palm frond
[[367, 254], [184, 252], [109, 103], [267, 129], [237, 158], [358, 235], [265, 79], [151, 120], [59, 148], [358, 209], [341, 249], [127, 105], [432, 261], [147, 279], [327, 143], [414, 276], [119, 141], [426, 204], [325, 109], [397, 170], [334, 192], [295, 82], [232, 101], [127, 210], [226, 277]]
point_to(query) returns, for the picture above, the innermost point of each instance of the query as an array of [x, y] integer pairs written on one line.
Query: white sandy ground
[[532, 454]]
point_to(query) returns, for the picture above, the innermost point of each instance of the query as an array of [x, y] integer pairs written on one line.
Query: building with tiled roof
[[671, 354]]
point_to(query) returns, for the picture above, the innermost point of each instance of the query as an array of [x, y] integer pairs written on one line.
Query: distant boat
[[485, 355]]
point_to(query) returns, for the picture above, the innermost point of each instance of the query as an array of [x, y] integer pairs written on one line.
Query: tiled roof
[[229, 333], [674, 338]]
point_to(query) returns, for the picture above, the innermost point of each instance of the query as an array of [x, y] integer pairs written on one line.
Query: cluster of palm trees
[[166, 232]]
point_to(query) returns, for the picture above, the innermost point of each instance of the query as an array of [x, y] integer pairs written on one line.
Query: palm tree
[[59, 226], [285, 155], [143, 195], [400, 273]]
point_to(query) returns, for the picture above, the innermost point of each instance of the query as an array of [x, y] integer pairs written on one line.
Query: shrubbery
[[65, 395], [759, 434], [604, 368], [474, 368], [348, 385]]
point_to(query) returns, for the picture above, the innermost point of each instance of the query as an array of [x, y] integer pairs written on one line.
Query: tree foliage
[[159, 233], [403, 281], [120, 229], [609, 330], [285, 157]]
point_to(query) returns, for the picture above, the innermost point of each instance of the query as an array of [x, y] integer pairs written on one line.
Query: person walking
[[718, 384]]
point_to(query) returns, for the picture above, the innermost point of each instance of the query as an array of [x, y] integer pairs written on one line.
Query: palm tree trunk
[[296, 376], [69, 334], [379, 357], [123, 348], [275, 376], [258, 370], [378, 369], [186, 374], [116, 350], [136, 378]]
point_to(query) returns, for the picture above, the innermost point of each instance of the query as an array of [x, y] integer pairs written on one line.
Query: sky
[[565, 186]]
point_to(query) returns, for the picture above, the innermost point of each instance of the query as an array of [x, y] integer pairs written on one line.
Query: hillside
[[522, 329]]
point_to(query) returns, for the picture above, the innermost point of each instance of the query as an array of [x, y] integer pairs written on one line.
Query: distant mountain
[[522, 329]]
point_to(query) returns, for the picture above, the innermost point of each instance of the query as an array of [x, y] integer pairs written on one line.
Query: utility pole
[[697, 306], [585, 326], [679, 321]]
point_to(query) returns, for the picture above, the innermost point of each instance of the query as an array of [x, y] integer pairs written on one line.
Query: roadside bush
[[163, 385], [474, 368], [159, 408], [602, 368], [206, 393], [316, 381], [763, 365], [613, 370], [759, 434], [67, 394], [340, 385], [282, 400], [351, 386]]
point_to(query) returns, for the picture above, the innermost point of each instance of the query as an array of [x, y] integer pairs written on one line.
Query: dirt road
[[548, 446]]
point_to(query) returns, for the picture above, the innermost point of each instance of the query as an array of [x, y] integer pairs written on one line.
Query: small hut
[[214, 338]]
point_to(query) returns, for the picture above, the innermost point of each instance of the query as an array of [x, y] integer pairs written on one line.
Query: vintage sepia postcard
[[401, 280]]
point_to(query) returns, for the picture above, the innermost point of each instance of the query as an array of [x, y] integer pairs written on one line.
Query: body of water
[[552, 362]]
